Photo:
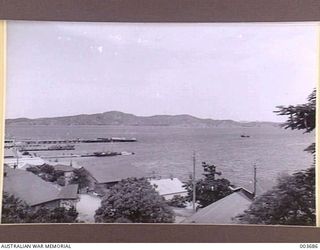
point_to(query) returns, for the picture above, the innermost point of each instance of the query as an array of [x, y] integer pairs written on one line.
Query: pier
[[71, 141]]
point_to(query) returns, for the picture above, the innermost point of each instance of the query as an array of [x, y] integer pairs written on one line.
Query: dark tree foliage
[[302, 116], [208, 189], [47, 173], [134, 200], [311, 148], [61, 181], [81, 178], [47, 169], [13, 210], [17, 211], [292, 201], [177, 201], [56, 215], [34, 169]]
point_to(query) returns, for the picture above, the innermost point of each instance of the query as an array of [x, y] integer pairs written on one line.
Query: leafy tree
[[58, 174], [16, 211], [134, 200], [47, 169], [80, 177], [61, 181], [47, 173], [301, 117], [34, 169], [177, 201], [56, 215], [208, 189], [13, 210], [292, 200]]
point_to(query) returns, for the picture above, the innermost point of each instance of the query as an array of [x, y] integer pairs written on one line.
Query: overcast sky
[[219, 71]]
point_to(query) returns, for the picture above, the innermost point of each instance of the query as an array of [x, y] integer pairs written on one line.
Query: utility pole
[[254, 180], [194, 183]]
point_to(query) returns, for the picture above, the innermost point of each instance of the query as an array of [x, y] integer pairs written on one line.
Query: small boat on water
[[245, 136]]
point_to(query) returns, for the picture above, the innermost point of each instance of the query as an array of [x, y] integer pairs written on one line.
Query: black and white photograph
[[187, 123]]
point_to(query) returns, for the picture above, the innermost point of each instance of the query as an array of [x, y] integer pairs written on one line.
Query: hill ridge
[[126, 119]]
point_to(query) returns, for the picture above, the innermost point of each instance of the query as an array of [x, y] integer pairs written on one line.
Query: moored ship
[[123, 139], [104, 154]]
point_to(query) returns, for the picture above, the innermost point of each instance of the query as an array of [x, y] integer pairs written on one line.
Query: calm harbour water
[[167, 151]]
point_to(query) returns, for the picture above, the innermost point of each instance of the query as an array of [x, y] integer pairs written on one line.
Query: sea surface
[[167, 151]]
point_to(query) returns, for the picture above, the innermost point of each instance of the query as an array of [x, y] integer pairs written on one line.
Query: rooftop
[[69, 192], [32, 189], [168, 186], [224, 210], [23, 162], [106, 171], [64, 168]]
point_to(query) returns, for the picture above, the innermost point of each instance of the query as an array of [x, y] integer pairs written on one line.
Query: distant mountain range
[[124, 119]]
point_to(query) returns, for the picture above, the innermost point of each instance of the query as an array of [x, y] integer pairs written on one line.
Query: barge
[[51, 148]]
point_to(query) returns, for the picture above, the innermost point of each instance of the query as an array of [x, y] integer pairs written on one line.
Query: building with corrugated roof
[[104, 175], [224, 210], [36, 192]]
